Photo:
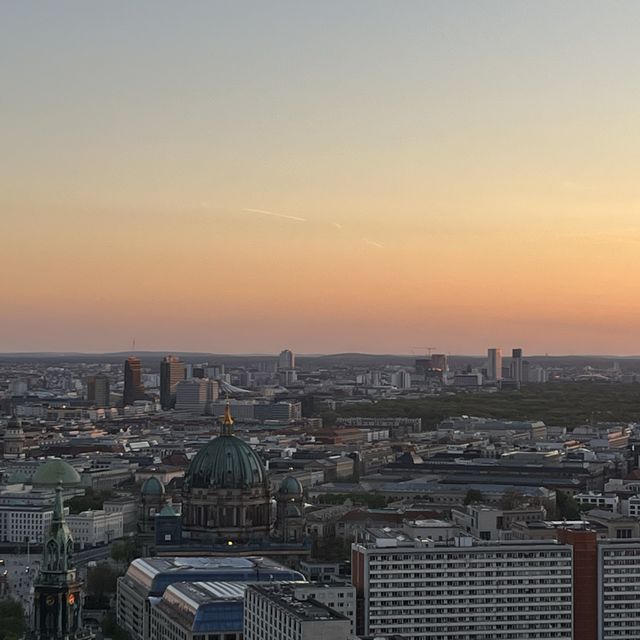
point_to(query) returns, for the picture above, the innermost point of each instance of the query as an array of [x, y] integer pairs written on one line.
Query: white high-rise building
[[286, 360], [619, 577], [401, 379], [426, 590], [494, 364]]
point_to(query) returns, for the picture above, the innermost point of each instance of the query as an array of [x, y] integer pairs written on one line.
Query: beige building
[[276, 612], [94, 528]]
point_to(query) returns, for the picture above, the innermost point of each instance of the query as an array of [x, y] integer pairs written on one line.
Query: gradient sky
[[324, 176]]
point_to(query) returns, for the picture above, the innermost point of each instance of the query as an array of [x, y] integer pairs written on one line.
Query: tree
[[511, 499], [13, 623], [566, 506], [102, 581], [331, 549], [473, 496], [110, 629], [125, 551], [91, 501]]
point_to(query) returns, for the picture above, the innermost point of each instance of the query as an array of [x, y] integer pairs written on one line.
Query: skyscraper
[[99, 390], [133, 387], [286, 360], [439, 361], [494, 366], [172, 371], [516, 365]]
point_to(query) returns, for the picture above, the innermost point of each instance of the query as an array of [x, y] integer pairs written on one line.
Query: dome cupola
[[226, 462], [290, 486]]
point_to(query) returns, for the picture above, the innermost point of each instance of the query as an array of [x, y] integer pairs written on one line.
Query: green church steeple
[[58, 602]]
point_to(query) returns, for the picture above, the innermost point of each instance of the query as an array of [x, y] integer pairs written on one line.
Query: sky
[[241, 177]]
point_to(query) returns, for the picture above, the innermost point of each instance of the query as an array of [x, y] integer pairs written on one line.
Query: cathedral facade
[[227, 501]]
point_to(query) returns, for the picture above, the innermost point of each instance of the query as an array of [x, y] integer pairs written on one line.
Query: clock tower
[[57, 593]]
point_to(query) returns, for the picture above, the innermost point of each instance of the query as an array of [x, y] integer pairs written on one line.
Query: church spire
[[57, 590], [58, 548]]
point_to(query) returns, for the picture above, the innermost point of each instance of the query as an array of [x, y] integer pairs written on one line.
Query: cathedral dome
[[226, 462], [54, 471], [293, 511], [291, 486], [152, 487]]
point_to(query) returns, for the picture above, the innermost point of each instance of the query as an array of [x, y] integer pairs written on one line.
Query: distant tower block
[[439, 361], [516, 365], [286, 360], [172, 371], [99, 391], [494, 365], [133, 387]]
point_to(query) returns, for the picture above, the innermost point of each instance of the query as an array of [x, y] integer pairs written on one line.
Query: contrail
[[275, 215], [373, 243]]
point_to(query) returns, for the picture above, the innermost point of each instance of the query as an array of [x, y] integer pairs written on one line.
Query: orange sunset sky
[[324, 176]]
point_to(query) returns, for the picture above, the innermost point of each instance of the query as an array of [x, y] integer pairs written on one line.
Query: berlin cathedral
[[227, 506], [227, 509]]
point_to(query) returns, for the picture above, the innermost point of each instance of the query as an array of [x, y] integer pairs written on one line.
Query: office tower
[[133, 387], [422, 365], [287, 377], [99, 391], [194, 394], [401, 379], [172, 371], [494, 366], [439, 361], [286, 360], [516, 365]]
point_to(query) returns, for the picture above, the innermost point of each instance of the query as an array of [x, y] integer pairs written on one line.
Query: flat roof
[[309, 610]]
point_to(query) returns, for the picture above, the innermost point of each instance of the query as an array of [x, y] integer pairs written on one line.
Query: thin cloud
[[373, 243], [275, 215], [606, 237], [337, 225]]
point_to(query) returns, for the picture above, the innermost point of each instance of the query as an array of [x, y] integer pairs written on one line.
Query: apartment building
[[465, 590], [619, 589]]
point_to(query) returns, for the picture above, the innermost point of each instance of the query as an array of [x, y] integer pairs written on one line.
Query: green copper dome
[[54, 471], [152, 487], [291, 486], [293, 511], [168, 510], [226, 462]]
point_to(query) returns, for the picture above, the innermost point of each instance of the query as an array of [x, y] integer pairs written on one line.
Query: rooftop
[[154, 575], [308, 610]]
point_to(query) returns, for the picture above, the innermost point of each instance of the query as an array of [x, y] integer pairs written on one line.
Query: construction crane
[[429, 350]]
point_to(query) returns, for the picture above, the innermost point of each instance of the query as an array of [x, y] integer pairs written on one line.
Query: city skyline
[[358, 176]]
